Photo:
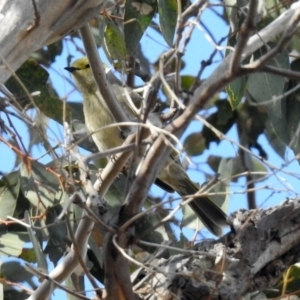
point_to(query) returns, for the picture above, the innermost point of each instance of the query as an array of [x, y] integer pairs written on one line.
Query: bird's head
[[82, 73]]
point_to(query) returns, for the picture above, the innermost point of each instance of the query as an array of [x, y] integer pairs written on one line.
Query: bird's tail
[[211, 215]]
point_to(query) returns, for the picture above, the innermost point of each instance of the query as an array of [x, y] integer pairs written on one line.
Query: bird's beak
[[71, 69]]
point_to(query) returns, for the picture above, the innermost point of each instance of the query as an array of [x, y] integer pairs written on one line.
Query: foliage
[[39, 216]]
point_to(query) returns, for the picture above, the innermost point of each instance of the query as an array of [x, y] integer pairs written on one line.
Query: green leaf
[[275, 142], [222, 119], [9, 193], [56, 245], [254, 165], [285, 116], [75, 283], [77, 111], [41, 187], [252, 119], [154, 236], [11, 293], [236, 91], [295, 43], [258, 296], [114, 42], [264, 86], [15, 272], [194, 144], [12, 243], [95, 256], [38, 251], [167, 10], [38, 131], [284, 113], [225, 174], [138, 15], [35, 78], [214, 161], [236, 167]]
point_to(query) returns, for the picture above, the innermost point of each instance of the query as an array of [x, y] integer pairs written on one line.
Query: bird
[[172, 175]]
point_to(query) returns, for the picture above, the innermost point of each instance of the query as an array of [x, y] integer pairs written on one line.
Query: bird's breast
[[97, 117]]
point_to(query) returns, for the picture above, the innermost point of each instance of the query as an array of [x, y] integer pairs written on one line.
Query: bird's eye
[[87, 66]]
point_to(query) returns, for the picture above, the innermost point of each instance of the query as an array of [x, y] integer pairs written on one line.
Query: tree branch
[[244, 34], [22, 33]]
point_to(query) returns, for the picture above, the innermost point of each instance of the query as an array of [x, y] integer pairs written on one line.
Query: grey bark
[[25, 29], [252, 257]]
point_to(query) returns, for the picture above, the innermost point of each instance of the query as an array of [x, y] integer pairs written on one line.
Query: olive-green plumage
[[97, 115]]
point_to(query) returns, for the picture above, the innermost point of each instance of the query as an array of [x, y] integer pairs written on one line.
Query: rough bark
[[253, 256]]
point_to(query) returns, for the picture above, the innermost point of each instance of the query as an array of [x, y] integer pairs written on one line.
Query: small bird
[[98, 115]]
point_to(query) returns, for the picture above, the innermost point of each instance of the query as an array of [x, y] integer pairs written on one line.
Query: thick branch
[[25, 30]]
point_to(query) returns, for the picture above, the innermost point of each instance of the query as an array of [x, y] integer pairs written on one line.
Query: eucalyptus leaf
[[255, 165], [75, 283], [275, 142], [167, 10], [194, 144], [14, 271], [222, 186], [56, 245], [236, 91], [41, 259], [138, 15], [114, 42], [40, 185], [222, 120], [263, 87], [35, 79], [12, 243], [9, 193], [35, 138], [284, 113]]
